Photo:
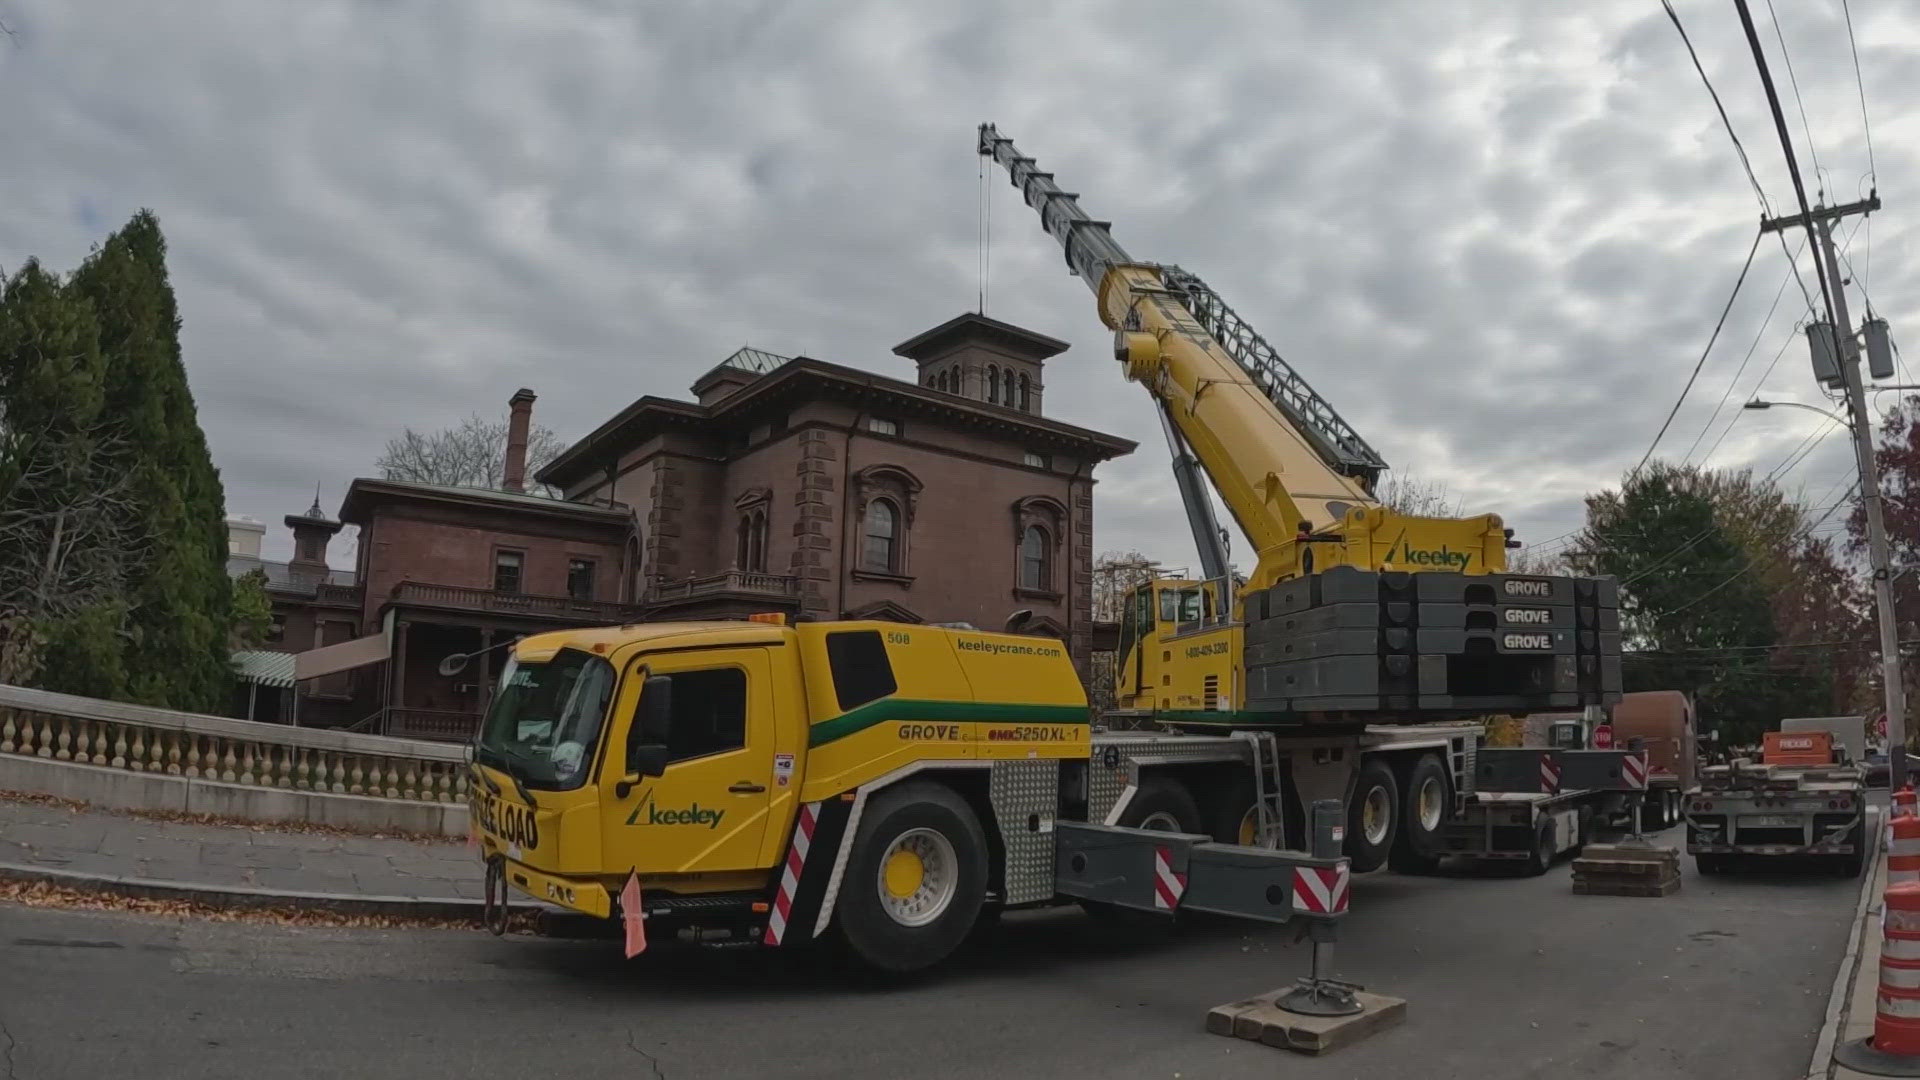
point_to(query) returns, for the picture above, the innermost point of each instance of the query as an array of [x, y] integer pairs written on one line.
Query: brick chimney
[[519, 418]]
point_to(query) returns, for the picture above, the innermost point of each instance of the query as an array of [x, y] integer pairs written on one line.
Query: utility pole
[[1819, 223]]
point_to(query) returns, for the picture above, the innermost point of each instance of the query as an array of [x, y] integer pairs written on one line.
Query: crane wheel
[[915, 880], [1373, 817], [1425, 807], [1165, 805], [1540, 860], [1162, 804]]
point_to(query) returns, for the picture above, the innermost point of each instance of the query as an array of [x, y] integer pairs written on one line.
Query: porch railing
[[465, 598], [750, 582]]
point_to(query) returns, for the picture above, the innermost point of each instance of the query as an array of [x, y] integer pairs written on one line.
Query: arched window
[[1026, 394], [880, 538], [751, 553], [1035, 573], [1006, 383], [993, 385]]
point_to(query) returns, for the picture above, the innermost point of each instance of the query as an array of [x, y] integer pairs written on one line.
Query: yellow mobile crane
[[1353, 610], [759, 784]]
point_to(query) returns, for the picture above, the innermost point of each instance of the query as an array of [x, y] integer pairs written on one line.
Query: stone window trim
[[1043, 510], [884, 610], [1049, 516], [753, 511], [890, 481]]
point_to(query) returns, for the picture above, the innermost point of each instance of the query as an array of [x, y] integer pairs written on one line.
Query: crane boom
[[1091, 251], [1289, 468], [1355, 611]]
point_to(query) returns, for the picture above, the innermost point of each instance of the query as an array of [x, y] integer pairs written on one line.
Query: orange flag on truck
[[631, 914]]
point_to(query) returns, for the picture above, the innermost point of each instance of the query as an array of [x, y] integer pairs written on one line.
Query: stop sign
[[1603, 737]]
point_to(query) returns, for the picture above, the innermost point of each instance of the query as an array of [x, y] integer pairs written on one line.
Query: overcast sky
[[1494, 234]]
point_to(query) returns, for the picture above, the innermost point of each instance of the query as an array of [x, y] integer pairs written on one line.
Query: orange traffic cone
[[1894, 1048]]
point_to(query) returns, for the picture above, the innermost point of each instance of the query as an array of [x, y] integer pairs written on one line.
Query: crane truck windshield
[[545, 721]]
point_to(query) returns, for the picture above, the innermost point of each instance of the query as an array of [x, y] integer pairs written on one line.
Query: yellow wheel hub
[[1249, 827], [904, 873]]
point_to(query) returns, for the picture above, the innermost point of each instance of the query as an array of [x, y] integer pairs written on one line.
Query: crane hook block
[[1139, 351]]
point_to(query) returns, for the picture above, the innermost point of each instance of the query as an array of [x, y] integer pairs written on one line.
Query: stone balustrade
[[214, 749]]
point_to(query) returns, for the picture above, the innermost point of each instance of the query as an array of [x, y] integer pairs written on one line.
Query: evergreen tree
[[180, 597], [65, 542]]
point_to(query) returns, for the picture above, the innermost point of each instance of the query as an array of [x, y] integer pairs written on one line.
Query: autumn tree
[[1898, 458], [1726, 592], [472, 453]]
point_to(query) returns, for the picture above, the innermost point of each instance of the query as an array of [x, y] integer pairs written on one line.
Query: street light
[[1756, 403]]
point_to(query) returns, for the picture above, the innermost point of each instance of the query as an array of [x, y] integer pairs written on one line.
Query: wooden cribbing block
[[1260, 1020]]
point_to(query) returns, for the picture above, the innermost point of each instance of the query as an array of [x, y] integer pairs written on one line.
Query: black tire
[[1161, 802], [1850, 866], [1231, 818], [1424, 808], [875, 937], [1376, 800], [1540, 860], [1710, 864]]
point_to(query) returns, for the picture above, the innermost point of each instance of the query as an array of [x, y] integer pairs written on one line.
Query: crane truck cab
[[760, 783]]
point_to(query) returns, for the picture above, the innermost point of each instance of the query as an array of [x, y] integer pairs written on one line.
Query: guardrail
[[216, 749]]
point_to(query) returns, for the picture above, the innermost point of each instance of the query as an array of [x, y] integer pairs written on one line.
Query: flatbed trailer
[[1745, 813], [1534, 808]]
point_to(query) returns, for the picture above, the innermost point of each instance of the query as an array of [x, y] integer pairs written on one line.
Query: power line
[[1792, 336], [1755, 560], [1793, 83], [1745, 163], [1698, 364], [1793, 165], [1765, 321], [1861, 82]]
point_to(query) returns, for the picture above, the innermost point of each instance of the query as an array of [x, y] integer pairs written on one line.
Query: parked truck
[[1804, 800], [764, 784]]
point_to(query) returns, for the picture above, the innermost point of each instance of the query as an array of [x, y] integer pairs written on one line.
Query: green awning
[[264, 668]]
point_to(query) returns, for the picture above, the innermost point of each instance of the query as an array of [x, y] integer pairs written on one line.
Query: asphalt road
[[1506, 977]]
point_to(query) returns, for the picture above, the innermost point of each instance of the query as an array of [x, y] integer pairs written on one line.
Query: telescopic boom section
[[1295, 476]]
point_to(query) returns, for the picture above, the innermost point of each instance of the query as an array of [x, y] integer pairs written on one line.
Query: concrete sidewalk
[[1858, 985], [85, 843]]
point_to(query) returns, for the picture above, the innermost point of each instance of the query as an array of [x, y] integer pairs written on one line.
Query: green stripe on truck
[[886, 709]]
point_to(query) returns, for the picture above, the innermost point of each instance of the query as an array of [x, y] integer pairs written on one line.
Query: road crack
[[7, 1059], [632, 1044]]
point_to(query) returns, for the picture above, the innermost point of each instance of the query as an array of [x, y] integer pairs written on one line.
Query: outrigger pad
[[1262, 1020], [1432, 645]]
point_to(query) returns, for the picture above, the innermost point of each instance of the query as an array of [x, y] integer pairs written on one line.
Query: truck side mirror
[[646, 759], [655, 722]]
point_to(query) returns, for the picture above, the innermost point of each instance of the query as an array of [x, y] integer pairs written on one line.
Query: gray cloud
[[1494, 235]]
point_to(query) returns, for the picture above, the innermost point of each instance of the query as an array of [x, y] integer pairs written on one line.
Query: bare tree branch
[[472, 453]]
